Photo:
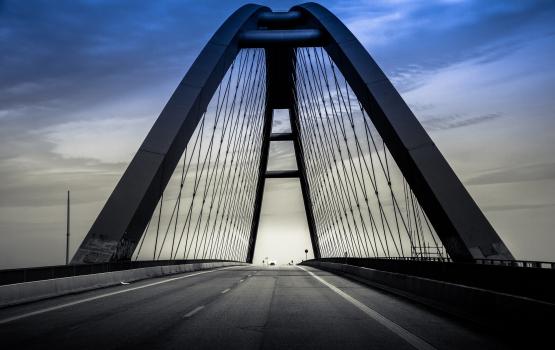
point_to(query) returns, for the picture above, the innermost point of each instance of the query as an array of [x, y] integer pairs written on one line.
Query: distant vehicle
[[272, 263]]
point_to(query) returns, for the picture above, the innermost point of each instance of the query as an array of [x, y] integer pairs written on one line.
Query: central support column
[[301, 166], [280, 80]]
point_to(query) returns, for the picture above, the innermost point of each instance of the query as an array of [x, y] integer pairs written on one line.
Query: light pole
[[67, 230]]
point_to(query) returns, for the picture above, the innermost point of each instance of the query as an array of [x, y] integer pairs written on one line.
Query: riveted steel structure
[[461, 226]]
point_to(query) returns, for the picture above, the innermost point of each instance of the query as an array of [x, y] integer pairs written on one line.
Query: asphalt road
[[237, 308]]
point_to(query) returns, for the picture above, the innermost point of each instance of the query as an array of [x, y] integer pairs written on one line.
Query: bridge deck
[[240, 307]]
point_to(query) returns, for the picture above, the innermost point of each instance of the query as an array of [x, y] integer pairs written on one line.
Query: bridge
[[403, 256]]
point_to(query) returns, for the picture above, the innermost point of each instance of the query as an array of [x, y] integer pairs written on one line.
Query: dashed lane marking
[[194, 311], [77, 302]]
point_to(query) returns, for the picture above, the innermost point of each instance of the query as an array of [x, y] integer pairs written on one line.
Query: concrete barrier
[[491, 309], [19, 293]]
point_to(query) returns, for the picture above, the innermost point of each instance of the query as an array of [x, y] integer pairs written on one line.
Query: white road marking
[[226, 290], [77, 302], [241, 281], [410, 338], [194, 311]]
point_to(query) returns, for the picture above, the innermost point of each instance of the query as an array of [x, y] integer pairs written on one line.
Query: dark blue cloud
[[88, 50], [77, 53], [60, 58], [434, 35]]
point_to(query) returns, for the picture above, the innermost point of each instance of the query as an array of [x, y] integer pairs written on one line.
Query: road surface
[[247, 307]]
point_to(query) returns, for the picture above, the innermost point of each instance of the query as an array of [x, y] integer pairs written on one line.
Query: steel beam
[[266, 131], [286, 136], [282, 38], [282, 174], [275, 20], [305, 189]]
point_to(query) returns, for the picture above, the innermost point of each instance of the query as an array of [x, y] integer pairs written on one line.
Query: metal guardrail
[[531, 279], [407, 258], [498, 262], [517, 263], [12, 276]]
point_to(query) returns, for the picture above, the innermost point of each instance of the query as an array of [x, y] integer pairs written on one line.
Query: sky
[[82, 82]]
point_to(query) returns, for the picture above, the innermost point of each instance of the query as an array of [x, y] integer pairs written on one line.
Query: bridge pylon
[[373, 182]]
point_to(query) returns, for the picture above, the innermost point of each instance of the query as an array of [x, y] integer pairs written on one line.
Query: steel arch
[[458, 221]]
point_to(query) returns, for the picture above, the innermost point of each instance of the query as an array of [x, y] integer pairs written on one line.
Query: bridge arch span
[[459, 223]]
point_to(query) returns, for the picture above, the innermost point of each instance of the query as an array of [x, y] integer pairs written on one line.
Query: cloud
[[112, 140], [456, 121], [416, 38], [375, 29], [533, 172], [75, 55], [509, 207]]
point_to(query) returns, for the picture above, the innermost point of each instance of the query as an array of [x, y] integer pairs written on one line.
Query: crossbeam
[[286, 136], [279, 19], [282, 174], [282, 38]]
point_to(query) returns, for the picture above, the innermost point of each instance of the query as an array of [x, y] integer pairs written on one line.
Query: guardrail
[[48, 272], [517, 278], [517, 263], [515, 316], [500, 262], [20, 293]]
